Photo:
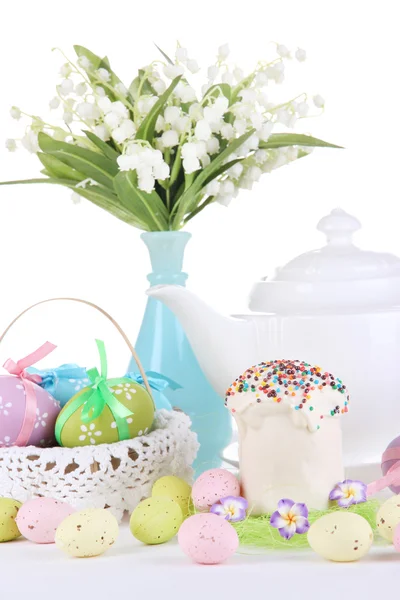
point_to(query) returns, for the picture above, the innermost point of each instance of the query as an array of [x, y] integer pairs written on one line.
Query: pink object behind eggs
[[396, 538], [213, 485], [39, 518], [12, 413], [208, 539], [390, 457]]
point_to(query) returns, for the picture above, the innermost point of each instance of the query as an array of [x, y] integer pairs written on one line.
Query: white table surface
[[130, 570]]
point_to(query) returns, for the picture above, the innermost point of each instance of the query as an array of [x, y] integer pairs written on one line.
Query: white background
[[49, 247]]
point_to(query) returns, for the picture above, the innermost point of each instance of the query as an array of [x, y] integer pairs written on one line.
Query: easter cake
[[287, 413]]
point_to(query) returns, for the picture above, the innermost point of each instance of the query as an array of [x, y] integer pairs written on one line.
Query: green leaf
[[218, 89], [210, 172], [167, 58], [94, 59], [91, 164], [53, 181], [103, 146], [176, 167], [222, 169], [241, 86], [146, 88], [100, 63], [148, 208], [281, 140], [108, 201], [147, 127], [57, 169], [206, 175]]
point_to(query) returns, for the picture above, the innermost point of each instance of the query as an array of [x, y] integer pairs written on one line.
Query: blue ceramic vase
[[163, 347]]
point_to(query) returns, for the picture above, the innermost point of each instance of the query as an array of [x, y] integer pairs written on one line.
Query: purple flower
[[349, 492], [290, 518], [232, 508]]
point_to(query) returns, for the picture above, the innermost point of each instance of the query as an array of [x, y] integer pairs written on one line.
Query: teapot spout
[[222, 345]]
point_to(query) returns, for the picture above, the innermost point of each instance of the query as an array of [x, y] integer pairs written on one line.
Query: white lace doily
[[116, 476]]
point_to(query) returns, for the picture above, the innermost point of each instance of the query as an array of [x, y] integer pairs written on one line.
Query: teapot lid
[[337, 277]]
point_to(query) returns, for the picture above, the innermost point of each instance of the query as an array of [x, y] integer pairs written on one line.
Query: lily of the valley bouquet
[[156, 153]]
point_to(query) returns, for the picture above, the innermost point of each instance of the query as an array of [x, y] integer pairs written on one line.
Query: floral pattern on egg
[[13, 408]]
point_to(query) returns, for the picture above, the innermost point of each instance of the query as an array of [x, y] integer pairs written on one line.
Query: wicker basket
[[115, 476]]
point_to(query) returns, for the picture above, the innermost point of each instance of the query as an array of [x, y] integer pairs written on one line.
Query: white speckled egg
[[341, 536], [388, 517], [212, 486], [87, 533]]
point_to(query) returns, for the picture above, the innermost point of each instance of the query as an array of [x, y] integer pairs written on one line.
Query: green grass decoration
[[258, 533]]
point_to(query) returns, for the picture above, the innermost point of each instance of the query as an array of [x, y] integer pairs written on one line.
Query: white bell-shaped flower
[[126, 130], [170, 139], [202, 130]]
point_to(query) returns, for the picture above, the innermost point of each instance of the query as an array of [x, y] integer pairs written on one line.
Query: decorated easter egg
[[341, 536], [40, 408], [124, 410], [156, 520], [62, 382], [213, 485], [388, 517], [87, 533], [8, 512], [391, 458], [39, 518], [175, 488], [208, 539]]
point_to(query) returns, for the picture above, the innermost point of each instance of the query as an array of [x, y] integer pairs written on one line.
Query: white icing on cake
[[290, 446], [308, 390]]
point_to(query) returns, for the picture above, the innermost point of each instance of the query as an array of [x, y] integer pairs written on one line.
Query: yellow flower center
[[350, 492]]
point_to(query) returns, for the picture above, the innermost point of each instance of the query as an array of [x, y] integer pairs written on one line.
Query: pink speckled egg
[[390, 458], [12, 413], [208, 539], [213, 485], [39, 518]]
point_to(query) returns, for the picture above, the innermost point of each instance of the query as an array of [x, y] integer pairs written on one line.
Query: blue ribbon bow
[[157, 382]]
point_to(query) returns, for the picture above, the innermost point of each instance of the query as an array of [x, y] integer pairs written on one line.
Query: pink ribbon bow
[[28, 380], [392, 477]]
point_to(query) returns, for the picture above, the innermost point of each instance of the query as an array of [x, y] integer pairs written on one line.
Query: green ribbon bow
[[95, 403]]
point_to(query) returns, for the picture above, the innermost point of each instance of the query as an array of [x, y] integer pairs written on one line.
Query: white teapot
[[338, 307]]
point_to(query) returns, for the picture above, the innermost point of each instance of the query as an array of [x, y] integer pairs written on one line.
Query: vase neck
[[166, 249]]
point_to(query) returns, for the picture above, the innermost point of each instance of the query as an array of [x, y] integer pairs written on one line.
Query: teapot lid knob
[[339, 227]]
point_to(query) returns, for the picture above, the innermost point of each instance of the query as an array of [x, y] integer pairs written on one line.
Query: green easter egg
[[175, 488], [72, 432], [8, 527], [156, 520]]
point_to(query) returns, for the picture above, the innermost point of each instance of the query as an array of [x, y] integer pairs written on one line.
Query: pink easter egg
[[208, 539], [13, 408], [39, 518], [396, 538], [391, 456], [213, 485]]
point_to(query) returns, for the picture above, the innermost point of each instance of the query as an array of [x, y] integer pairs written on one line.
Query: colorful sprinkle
[[281, 380]]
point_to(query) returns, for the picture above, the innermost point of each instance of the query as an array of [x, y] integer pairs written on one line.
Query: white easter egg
[[341, 536], [388, 517], [87, 533]]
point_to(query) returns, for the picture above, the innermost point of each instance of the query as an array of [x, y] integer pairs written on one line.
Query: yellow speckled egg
[[341, 536], [8, 511], [388, 517], [87, 533], [175, 488], [156, 520]]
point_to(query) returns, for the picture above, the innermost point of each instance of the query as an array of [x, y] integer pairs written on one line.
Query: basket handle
[[103, 312]]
